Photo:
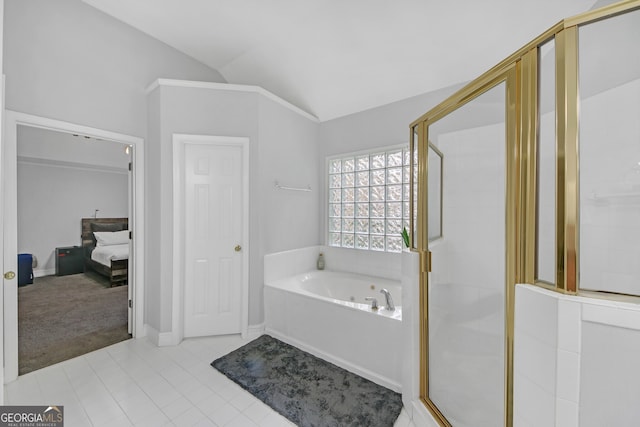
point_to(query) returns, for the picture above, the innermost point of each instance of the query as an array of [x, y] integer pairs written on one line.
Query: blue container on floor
[[25, 269]]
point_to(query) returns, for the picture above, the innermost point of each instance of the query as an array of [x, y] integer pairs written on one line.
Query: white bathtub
[[346, 289], [325, 313]]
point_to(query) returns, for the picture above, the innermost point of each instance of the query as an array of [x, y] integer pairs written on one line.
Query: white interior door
[[213, 215], [10, 250]]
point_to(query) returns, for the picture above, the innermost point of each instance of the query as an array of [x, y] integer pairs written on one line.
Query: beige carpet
[[61, 317]]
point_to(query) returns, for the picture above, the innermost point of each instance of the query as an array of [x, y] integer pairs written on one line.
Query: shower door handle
[[425, 261]]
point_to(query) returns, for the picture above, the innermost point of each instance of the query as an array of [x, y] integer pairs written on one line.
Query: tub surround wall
[[575, 360], [296, 261], [280, 265], [370, 263]]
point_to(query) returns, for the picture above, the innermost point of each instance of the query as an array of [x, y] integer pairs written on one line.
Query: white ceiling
[[336, 57]]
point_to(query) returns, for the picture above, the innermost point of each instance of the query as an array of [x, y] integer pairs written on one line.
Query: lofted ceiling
[[337, 57]]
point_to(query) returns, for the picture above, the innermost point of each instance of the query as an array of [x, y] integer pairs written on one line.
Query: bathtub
[[326, 314]]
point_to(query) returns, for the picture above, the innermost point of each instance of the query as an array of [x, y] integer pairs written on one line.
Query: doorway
[[67, 303], [14, 122]]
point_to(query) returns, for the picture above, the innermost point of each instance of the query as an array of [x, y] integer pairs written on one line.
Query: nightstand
[[69, 260]]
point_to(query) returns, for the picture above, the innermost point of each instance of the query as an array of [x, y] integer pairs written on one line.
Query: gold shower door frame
[[509, 76], [520, 73]]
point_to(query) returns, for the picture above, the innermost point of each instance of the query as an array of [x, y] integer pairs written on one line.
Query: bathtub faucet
[[387, 296]]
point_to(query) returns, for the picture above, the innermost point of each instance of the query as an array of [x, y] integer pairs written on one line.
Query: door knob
[[238, 248], [9, 275]]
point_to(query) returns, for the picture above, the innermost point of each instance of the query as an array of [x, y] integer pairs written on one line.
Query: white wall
[[61, 179], [283, 146], [68, 61], [153, 198], [378, 127], [288, 152], [52, 200]]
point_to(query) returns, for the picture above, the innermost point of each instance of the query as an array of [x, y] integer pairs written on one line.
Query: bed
[[105, 243]]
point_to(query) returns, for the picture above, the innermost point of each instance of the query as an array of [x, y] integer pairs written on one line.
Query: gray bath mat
[[307, 390]]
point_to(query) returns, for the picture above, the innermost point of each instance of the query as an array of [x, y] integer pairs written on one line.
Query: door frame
[[179, 142], [14, 119]]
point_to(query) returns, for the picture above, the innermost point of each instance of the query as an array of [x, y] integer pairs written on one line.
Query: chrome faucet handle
[[374, 302]]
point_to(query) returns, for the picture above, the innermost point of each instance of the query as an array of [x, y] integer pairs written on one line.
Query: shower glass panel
[[609, 75], [466, 294], [435, 193], [546, 164]]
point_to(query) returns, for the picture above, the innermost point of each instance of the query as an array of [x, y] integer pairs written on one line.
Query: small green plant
[[405, 237]]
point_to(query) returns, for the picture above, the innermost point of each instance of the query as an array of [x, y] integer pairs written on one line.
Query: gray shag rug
[[307, 390]]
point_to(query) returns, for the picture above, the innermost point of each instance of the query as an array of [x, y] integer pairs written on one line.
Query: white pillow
[[109, 238]]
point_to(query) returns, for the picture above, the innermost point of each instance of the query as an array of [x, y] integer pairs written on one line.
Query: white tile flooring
[[135, 383]]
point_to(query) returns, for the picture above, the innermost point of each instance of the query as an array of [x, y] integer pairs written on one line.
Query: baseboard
[[161, 339], [41, 272], [365, 373], [421, 416], [254, 331]]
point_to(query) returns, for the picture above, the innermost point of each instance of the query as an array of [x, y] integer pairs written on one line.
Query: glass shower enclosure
[[522, 178]]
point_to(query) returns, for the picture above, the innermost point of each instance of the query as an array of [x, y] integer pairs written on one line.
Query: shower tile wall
[[535, 358], [609, 77], [610, 190], [575, 360]]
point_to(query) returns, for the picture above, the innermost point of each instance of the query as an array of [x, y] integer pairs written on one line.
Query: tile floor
[[134, 383]]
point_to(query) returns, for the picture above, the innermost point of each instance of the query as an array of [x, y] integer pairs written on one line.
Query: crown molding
[[234, 88]]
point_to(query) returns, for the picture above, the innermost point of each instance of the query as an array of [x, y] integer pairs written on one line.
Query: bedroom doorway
[[65, 254]]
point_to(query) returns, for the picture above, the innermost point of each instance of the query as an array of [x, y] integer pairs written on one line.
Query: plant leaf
[[405, 237]]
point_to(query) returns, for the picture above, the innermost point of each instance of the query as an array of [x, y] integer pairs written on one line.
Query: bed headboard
[[89, 225]]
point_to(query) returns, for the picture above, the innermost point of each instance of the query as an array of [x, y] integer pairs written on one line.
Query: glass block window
[[369, 199]]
